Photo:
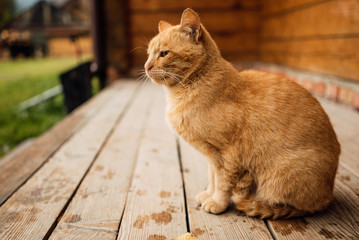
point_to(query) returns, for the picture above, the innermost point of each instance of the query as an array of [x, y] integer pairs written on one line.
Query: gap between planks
[[155, 202], [114, 167], [108, 137]]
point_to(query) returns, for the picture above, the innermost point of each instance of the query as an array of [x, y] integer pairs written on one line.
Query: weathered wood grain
[[155, 205], [96, 209], [233, 46], [275, 7], [339, 221], [163, 5], [338, 17], [116, 29], [229, 225], [339, 57], [31, 211], [154, 208], [231, 21], [227, 42], [348, 178], [17, 169], [139, 58]]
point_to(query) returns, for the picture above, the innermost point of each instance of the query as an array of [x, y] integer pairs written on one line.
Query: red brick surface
[[346, 95], [319, 89], [332, 92], [323, 89], [355, 102], [308, 84]]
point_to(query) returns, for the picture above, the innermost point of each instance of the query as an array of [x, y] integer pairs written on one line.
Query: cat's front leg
[[204, 195], [224, 182]]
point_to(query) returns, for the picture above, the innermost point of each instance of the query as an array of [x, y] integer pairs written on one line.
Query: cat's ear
[[162, 25], [190, 23]]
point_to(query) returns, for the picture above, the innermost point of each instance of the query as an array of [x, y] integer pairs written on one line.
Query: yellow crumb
[[187, 236]]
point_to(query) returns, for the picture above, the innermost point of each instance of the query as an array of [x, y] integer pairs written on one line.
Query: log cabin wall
[[315, 35], [233, 24]]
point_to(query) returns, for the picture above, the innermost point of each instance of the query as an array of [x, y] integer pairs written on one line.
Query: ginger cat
[[271, 146]]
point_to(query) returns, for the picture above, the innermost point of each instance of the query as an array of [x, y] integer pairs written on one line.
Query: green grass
[[19, 81]]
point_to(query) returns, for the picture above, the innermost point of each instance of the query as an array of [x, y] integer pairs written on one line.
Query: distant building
[[49, 29]]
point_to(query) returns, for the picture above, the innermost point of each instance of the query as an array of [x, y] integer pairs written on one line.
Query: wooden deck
[[114, 170]]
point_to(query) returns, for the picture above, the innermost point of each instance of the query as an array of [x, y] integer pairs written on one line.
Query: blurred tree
[[7, 11]]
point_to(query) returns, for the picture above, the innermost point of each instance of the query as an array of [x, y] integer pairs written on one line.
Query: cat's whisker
[[164, 79], [183, 77], [177, 80], [141, 73], [143, 80], [176, 76], [138, 48]]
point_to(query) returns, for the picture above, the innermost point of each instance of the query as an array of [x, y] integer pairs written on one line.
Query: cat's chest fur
[[207, 127]]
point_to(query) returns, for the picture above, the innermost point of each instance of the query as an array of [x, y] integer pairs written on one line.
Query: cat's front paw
[[212, 206], [202, 197]]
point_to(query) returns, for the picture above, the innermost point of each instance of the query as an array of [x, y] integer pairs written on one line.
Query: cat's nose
[[148, 68], [148, 65]]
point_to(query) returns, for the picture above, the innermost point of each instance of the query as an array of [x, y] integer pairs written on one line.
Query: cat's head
[[176, 51]]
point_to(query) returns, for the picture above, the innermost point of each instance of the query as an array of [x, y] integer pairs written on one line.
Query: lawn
[[19, 81]]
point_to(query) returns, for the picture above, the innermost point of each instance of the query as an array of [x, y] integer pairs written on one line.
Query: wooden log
[[139, 58], [276, 7], [228, 225], [231, 21], [96, 209], [116, 28], [233, 46], [331, 18], [17, 169], [155, 206], [227, 42], [162, 5], [337, 57], [31, 212]]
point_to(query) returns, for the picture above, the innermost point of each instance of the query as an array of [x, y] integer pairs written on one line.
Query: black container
[[76, 84]]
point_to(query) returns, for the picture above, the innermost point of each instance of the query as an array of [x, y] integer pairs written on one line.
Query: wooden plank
[[271, 7], [345, 123], [155, 205], [236, 42], [229, 225], [115, 13], [339, 221], [338, 17], [231, 21], [34, 208], [347, 177], [17, 169], [233, 46], [139, 57], [156, 5], [96, 209], [227, 42], [337, 57]]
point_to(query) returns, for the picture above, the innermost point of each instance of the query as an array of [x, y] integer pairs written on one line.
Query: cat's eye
[[164, 53]]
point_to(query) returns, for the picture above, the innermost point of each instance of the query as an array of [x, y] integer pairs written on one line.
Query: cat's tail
[[256, 208]]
